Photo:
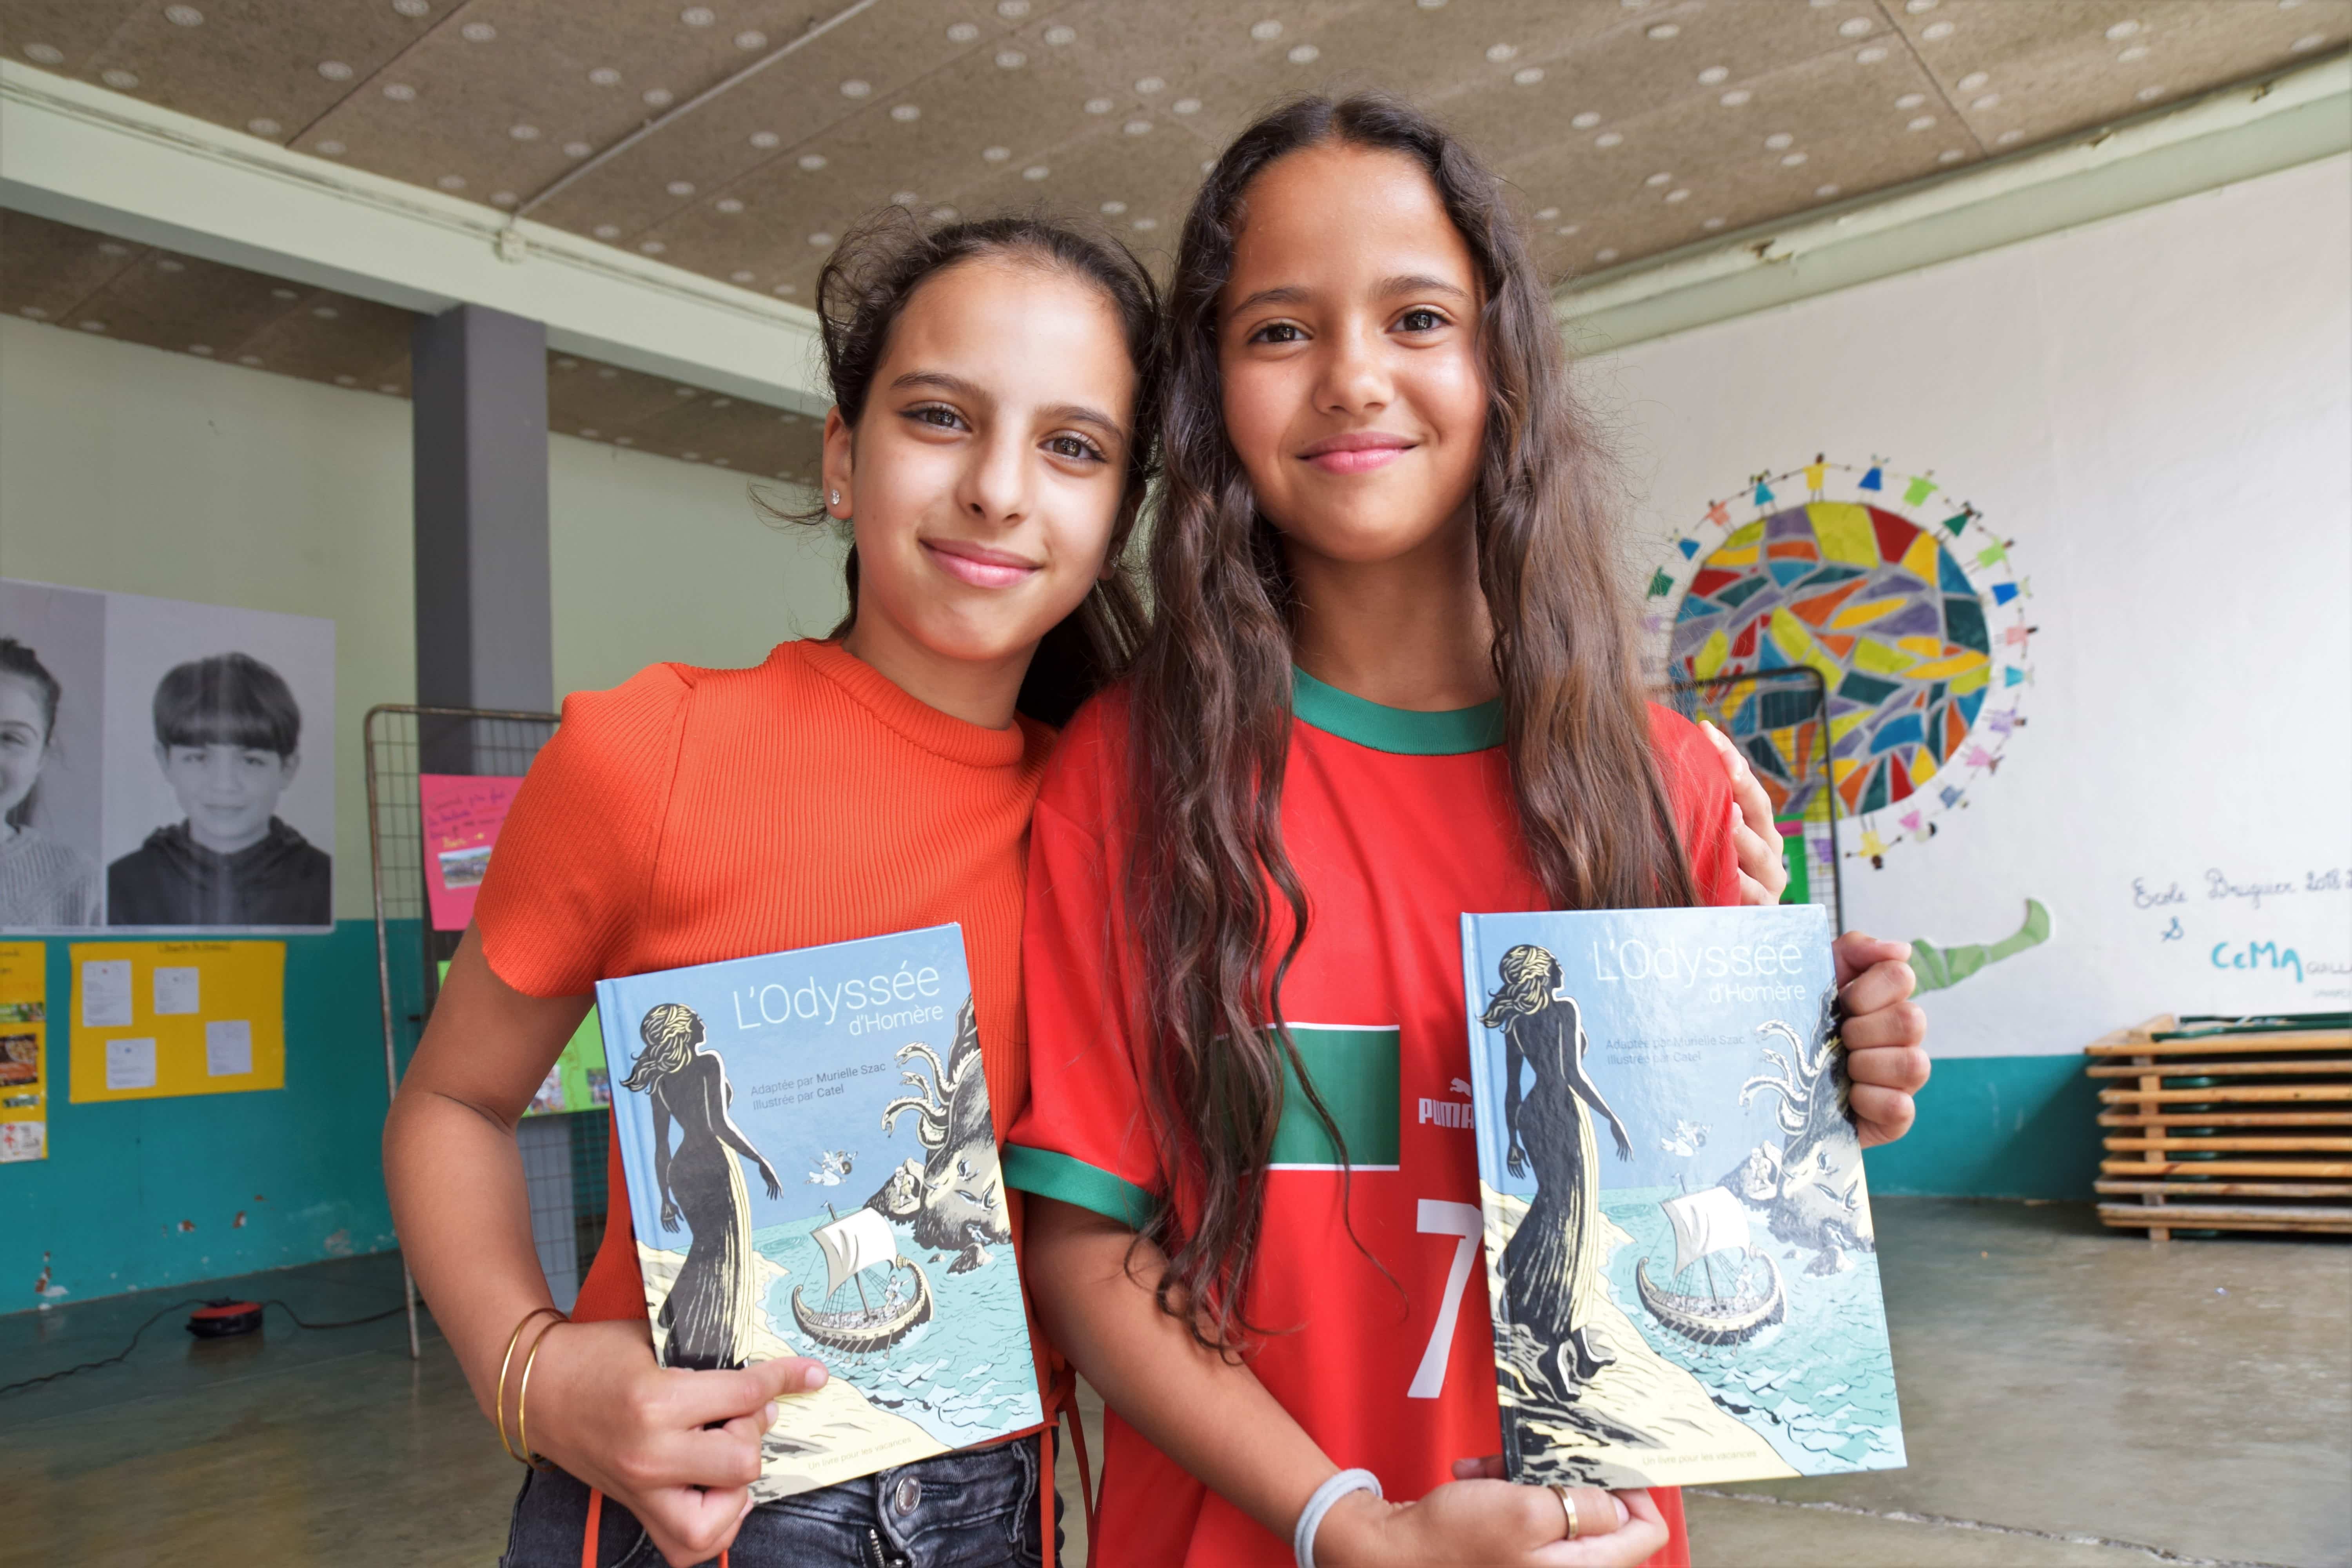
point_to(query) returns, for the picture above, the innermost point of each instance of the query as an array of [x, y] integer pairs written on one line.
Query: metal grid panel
[[1793, 707], [564, 1163]]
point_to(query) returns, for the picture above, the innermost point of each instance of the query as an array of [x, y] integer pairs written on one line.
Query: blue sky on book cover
[[812, 1171], [1682, 1268]]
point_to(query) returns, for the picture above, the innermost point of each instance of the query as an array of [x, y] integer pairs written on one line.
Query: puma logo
[[1447, 1112]]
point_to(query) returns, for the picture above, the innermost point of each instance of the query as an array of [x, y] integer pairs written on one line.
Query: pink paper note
[[462, 816]]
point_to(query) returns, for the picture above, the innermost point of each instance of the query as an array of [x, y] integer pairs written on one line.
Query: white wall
[[661, 560], [130, 469], [2159, 410]]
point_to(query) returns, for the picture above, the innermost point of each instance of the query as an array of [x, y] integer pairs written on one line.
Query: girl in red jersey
[[1391, 678], [989, 440]]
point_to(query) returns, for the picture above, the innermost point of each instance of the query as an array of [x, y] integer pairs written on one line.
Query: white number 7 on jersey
[[1465, 1221]]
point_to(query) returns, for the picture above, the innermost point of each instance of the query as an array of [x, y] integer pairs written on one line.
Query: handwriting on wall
[[2254, 925]]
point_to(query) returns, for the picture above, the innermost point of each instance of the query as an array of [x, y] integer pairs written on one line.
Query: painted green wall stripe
[[1997, 1127], [261, 1180]]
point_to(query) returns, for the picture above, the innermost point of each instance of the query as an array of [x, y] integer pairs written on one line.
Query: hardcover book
[[812, 1171], [1680, 1257]]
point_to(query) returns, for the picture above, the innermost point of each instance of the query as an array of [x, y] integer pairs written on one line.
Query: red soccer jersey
[[1398, 823]]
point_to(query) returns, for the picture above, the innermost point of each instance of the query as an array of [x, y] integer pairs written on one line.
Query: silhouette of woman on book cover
[[711, 1304], [1551, 1267]]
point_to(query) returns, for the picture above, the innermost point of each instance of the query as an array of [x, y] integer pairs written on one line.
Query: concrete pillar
[[485, 630]]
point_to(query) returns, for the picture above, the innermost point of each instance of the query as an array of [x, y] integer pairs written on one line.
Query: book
[[1680, 1257], [813, 1170]]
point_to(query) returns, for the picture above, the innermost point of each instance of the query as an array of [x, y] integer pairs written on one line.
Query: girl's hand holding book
[[678, 1450], [1484, 1520], [1885, 1035]]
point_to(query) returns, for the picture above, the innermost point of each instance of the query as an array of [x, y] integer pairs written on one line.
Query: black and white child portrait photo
[[228, 741], [219, 766], [52, 653]]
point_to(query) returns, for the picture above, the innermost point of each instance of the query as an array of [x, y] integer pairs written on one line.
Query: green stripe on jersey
[[1355, 1070], [1404, 732], [1058, 1176]]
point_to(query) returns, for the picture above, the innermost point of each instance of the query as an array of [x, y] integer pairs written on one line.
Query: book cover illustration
[[1680, 1258], [813, 1170]]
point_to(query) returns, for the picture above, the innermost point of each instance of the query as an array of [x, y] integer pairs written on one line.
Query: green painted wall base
[[140, 1194], [301, 1164], [1997, 1127]]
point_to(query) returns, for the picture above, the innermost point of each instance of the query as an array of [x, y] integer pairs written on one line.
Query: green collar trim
[[1402, 730]]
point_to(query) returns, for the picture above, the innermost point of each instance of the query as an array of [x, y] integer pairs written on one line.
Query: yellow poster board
[[24, 1051], [153, 1019]]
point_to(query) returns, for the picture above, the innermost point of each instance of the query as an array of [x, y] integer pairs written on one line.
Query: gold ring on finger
[[1567, 1501]]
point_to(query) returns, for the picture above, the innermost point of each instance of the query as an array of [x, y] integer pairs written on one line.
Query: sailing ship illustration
[[862, 1241], [1708, 1225]]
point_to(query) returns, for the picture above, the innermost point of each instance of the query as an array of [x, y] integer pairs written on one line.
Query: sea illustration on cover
[[1681, 1264], [813, 1170]]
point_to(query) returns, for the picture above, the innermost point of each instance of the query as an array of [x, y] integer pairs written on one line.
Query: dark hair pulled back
[[22, 662], [1219, 909], [865, 287]]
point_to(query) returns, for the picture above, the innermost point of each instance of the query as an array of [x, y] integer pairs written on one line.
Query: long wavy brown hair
[[1218, 909]]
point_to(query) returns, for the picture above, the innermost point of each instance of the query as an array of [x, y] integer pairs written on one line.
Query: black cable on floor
[[124, 1354], [345, 1324], [120, 1356]]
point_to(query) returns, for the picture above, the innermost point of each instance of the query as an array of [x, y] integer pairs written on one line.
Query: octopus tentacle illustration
[[1798, 1079], [928, 1104], [955, 1197]]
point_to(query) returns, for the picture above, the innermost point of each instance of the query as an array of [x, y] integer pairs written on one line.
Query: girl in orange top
[[989, 443]]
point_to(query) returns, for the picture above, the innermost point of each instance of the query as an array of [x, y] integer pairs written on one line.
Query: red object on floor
[[225, 1319]]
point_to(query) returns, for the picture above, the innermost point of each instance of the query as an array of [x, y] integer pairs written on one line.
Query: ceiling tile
[[48, 268], [63, 35], [605, 397], [867, 64], [1830, 123], [268, 67], [2020, 74], [181, 302], [329, 336], [750, 438], [1583, 103]]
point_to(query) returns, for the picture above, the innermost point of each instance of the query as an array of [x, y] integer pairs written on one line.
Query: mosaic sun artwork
[[1907, 605]]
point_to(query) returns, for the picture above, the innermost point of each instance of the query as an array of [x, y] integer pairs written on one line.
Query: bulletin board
[[155, 1019], [24, 1051]]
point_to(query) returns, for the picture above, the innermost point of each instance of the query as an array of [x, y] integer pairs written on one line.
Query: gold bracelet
[[522, 1395], [506, 1362]]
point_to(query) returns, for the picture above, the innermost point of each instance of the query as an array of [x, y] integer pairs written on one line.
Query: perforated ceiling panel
[[87, 282], [1628, 127]]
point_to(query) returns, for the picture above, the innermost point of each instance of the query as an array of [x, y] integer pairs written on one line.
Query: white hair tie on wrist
[[1302, 1534]]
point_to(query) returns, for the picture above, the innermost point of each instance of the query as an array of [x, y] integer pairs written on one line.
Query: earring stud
[[836, 498]]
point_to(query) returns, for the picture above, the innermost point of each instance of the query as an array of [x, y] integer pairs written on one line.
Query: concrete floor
[[2071, 1398]]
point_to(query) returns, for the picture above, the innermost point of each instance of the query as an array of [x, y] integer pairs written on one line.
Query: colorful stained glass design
[[1780, 718], [1914, 620]]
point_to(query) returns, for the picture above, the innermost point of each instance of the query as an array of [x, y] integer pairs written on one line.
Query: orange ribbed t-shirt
[[692, 815]]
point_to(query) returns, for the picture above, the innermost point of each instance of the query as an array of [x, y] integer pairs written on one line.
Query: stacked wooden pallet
[[2227, 1124]]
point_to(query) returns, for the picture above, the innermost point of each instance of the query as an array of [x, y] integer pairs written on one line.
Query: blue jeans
[[977, 1509]]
